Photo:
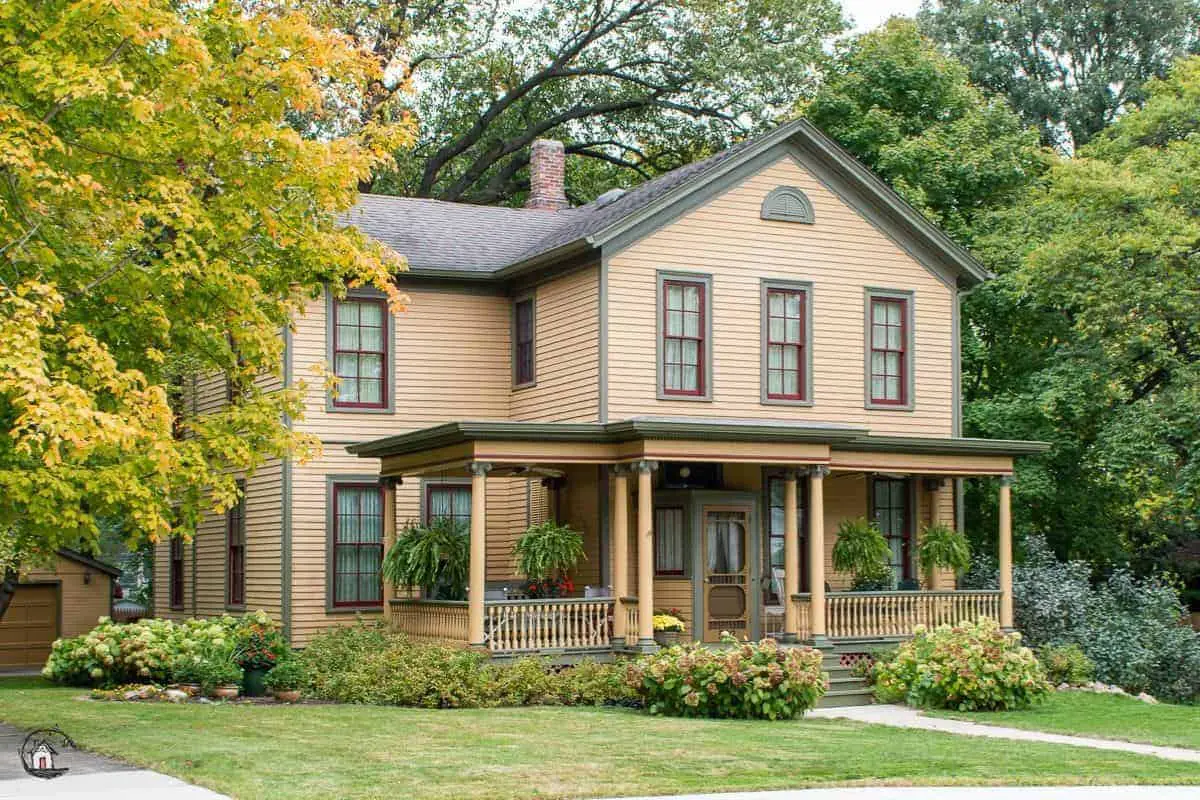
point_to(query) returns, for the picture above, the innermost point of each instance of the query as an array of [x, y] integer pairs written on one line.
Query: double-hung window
[[889, 350], [175, 573], [357, 544], [235, 550], [360, 352], [684, 347], [523, 342], [785, 362]]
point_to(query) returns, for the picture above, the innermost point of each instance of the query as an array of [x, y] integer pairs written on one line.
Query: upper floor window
[[357, 544], [360, 352], [448, 501], [888, 350], [235, 550], [175, 573], [523, 342], [785, 343], [684, 345]]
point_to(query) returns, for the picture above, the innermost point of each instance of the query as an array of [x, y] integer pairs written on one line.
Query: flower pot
[[668, 638], [253, 682], [225, 692], [192, 689], [286, 695]]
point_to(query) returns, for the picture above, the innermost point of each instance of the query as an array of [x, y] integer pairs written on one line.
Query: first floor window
[[668, 541], [888, 345], [785, 344], [890, 507], [776, 562], [235, 549], [683, 344], [357, 544], [175, 573], [360, 352], [448, 501]]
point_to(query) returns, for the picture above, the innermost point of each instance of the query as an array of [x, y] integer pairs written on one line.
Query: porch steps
[[846, 689]]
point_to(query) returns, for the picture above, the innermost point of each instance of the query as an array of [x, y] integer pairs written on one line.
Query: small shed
[[48, 604]]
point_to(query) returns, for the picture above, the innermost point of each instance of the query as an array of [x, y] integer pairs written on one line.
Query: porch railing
[[440, 620], [556, 624], [865, 615], [629, 607]]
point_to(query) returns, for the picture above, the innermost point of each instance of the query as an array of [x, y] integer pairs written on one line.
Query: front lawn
[[1104, 716], [323, 751]]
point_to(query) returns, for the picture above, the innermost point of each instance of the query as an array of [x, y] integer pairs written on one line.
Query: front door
[[726, 571]]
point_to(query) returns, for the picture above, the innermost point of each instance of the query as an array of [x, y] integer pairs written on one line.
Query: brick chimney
[[546, 191]]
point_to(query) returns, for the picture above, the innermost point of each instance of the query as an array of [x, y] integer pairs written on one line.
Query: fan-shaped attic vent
[[788, 204]]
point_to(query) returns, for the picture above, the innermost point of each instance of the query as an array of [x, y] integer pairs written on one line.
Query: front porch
[[731, 523]]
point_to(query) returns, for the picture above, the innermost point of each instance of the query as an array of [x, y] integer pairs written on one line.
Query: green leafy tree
[[910, 114], [158, 219], [1070, 68], [633, 87]]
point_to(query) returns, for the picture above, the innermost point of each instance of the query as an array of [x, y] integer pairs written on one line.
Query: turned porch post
[[1006, 588], [645, 551], [619, 514], [791, 557], [478, 573], [816, 552], [389, 538]]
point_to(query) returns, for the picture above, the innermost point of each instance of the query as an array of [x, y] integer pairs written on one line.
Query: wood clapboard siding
[[840, 254], [567, 351]]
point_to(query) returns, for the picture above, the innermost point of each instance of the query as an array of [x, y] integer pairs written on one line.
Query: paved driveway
[[91, 776]]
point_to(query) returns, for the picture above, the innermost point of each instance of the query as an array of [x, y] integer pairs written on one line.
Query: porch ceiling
[[534, 447]]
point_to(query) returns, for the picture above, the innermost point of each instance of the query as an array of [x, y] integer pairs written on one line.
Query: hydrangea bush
[[968, 667], [147, 651], [745, 681]]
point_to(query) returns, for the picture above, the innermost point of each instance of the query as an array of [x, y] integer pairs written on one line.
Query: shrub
[[861, 550], [969, 667], [748, 681], [258, 643], [589, 683], [287, 675], [1067, 664], [146, 651], [217, 667], [333, 651]]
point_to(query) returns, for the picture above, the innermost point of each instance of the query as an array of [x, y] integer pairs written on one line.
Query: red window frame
[[175, 572], [356, 602], [235, 550], [800, 345], [524, 336], [885, 350], [452, 488], [905, 535], [699, 338], [801, 527], [382, 352], [659, 570]]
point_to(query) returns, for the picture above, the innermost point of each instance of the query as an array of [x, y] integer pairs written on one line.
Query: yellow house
[[704, 375]]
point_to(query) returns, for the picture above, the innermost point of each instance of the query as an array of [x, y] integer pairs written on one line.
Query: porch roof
[[598, 442]]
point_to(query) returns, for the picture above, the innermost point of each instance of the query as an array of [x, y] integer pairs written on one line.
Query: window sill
[[528, 385], [239, 608], [687, 398], [371, 609], [888, 406], [331, 408], [783, 401]]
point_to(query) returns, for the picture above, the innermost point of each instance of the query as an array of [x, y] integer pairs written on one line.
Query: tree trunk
[[7, 589]]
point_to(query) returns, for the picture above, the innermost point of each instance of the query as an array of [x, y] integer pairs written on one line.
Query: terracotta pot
[[668, 638], [192, 689], [286, 695], [225, 692]]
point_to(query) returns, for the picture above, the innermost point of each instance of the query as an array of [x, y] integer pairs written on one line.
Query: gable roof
[[88, 561], [460, 240]]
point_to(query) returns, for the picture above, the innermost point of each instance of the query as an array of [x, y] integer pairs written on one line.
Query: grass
[[1103, 716], [323, 751]]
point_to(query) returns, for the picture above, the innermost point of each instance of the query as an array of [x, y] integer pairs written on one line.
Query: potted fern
[[942, 547], [435, 557], [546, 554], [862, 551]]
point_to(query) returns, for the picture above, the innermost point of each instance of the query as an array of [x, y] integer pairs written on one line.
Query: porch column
[[935, 486], [1006, 590], [478, 574], [389, 537], [619, 514], [645, 548], [816, 552], [791, 557]]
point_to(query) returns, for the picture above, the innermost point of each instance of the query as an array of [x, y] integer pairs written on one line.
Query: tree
[[633, 87], [1100, 289], [158, 219], [910, 114], [1069, 68]]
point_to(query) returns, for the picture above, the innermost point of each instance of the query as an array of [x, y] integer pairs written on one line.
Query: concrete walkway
[[957, 793], [905, 717]]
